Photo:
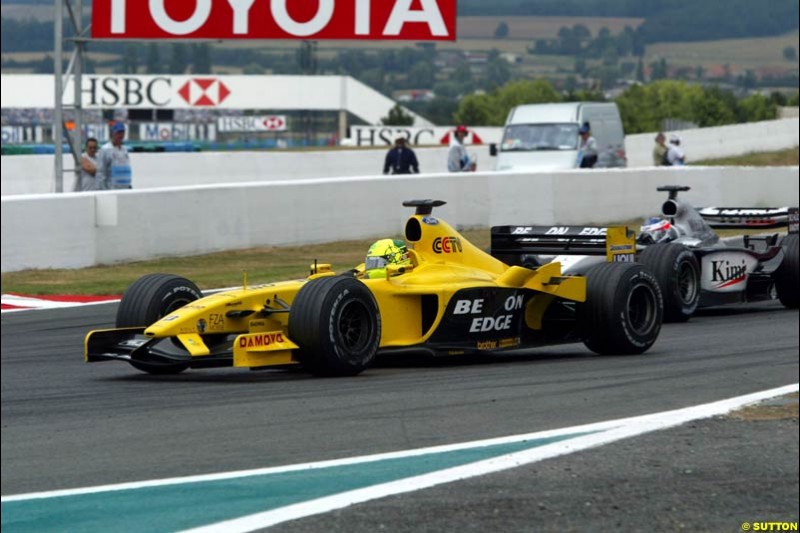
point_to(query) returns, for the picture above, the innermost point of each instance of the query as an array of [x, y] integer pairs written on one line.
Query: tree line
[[643, 108]]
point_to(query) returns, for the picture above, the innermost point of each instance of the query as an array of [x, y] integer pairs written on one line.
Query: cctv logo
[[447, 245], [204, 92]]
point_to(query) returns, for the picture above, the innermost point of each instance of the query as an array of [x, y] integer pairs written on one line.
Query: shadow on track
[[405, 361]]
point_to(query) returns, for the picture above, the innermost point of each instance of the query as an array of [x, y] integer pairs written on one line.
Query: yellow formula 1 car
[[450, 298]]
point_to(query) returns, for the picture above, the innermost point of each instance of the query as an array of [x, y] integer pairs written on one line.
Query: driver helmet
[[658, 229], [383, 253]]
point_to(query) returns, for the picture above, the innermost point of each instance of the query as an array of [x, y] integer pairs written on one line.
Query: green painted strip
[[182, 506]]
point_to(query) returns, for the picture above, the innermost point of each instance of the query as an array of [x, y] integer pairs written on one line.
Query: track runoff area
[[250, 500]]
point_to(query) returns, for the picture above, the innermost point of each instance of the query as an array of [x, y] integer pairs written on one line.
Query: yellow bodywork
[[620, 245], [442, 263]]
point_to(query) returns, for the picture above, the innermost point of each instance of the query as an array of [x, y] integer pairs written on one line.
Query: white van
[[545, 136]]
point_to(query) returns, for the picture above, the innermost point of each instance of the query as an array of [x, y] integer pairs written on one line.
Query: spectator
[[114, 166], [400, 159], [587, 150], [660, 151], [675, 155], [457, 158], [88, 173]]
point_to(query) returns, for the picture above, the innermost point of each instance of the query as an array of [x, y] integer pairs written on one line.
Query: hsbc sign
[[418, 20], [154, 91], [206, 92], [252, 124], [168, 92]]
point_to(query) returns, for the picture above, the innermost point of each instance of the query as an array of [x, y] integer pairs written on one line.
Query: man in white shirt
[[88, 173], [113, 163], [457, 158], [675, 155]]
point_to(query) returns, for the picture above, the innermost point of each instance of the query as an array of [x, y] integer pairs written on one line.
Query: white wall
[[82, 229], [720, 141], [33, 174]]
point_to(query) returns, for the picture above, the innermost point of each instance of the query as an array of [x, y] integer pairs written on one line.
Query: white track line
[[608, 431], [626, 428]]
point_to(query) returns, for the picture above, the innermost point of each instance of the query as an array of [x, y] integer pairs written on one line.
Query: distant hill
[[672, 21], [676, 20]]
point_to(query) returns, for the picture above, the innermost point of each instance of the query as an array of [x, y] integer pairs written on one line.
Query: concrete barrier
[[720, 141], [33, 174], [83, 229]]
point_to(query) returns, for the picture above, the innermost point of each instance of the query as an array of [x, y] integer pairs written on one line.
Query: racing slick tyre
[[623, 309], [678, 274], [337, 325], [150, 298], [786, 278]]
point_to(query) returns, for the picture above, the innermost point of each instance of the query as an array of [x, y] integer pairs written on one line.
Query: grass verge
[[780, 158], [221, 269]]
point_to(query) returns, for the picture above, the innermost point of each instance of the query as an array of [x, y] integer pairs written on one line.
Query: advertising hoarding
[[416, 20], [251, 124]]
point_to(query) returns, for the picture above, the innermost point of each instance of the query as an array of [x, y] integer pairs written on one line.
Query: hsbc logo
[[274, 123], [204, 92], [252, 123], [145, 92]]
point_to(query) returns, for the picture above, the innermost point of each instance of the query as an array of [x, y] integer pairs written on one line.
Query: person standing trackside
[[660, 151], [88, 173], [113, 162], [675, 155], [401, 159], [457, 158], [588, 147]]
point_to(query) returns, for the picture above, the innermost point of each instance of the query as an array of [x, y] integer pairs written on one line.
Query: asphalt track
[[66, 424]]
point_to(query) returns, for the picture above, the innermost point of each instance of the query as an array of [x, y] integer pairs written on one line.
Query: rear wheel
[[149, 299], [786, 278], [623, 309], [678, 274], [336, 323]]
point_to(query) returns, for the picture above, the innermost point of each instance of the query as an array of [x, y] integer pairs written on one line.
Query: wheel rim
[[687, 283], [641, 309], [354, 328]]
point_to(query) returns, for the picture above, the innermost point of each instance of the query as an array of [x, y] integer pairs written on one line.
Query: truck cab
[[545, 136]]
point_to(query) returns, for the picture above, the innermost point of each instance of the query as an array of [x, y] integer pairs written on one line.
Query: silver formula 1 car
[[694, 267]]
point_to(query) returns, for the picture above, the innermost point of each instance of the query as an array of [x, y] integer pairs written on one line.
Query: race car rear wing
[[751, 217], [508, 243]]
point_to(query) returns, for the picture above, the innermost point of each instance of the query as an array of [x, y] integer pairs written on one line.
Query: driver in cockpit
[[383, 253], [656, 230]]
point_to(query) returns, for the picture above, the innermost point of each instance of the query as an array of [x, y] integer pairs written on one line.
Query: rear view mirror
[[493, 149]]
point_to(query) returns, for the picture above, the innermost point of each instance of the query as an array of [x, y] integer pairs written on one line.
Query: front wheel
[[337, 325], [149, 299], [623, 310]]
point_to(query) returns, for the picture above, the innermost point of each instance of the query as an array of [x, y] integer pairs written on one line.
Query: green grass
[[210, 271], [223, 269], [217, 270], [740, 54], [788, 157]]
